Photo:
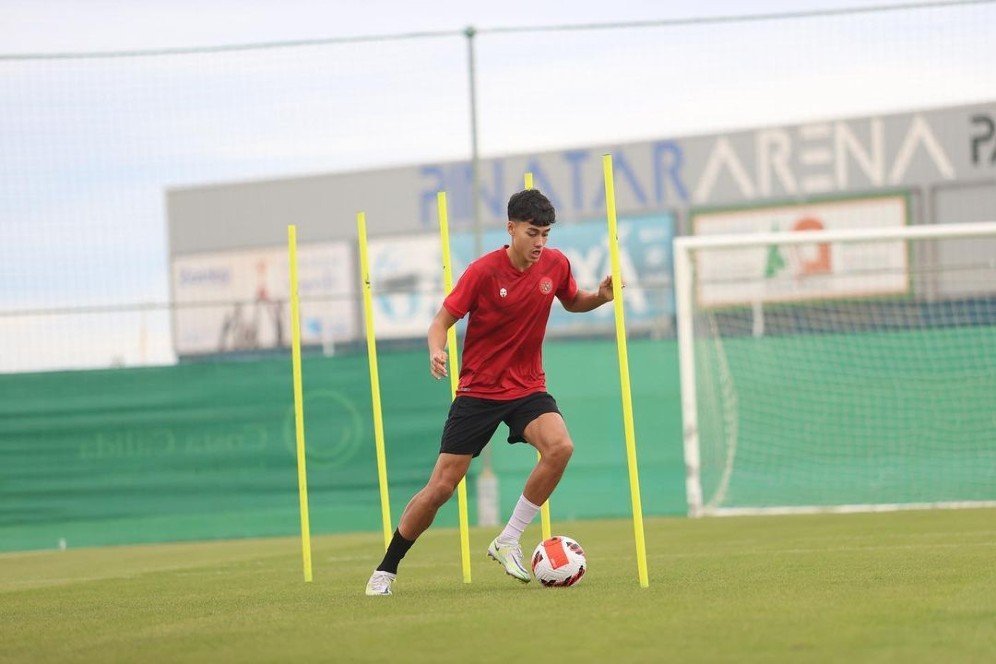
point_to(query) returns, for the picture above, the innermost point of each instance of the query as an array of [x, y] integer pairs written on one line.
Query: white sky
[[87, 147]]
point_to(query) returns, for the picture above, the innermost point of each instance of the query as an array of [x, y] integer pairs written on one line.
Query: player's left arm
[[587, 300]]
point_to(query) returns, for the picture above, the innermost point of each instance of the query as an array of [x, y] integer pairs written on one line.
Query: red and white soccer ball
[[559, 561]]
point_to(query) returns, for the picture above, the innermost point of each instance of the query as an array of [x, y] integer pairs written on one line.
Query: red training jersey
[[509, 309]]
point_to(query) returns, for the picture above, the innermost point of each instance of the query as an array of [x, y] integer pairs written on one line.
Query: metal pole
[[475, 186], [487, 481]]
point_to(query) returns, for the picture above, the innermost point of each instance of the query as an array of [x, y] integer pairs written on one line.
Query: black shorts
[[473, 421]]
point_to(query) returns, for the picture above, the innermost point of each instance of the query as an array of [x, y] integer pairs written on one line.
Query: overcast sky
[[87, 147], [31, 26]]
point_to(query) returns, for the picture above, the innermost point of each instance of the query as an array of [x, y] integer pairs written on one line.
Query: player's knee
[[560, 452]]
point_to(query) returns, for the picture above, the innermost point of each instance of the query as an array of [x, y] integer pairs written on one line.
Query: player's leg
[[469, 427], [548, 434], [422, 508], [538, 422], [418, 515]]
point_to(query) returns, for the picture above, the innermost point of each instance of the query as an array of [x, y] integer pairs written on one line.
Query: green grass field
[[912, 586]]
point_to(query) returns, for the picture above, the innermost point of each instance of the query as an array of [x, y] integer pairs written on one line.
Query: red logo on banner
[[821, 263]]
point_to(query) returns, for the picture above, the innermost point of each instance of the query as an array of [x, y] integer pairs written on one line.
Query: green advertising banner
[[206, 451]]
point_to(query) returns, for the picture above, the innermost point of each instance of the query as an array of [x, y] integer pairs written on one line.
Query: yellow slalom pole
[[545, 507], [627, 397], [451, 344], [302, 472], [378, 418]]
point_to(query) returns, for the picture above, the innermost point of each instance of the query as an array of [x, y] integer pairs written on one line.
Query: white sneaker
[[380, 583], [510, 557]]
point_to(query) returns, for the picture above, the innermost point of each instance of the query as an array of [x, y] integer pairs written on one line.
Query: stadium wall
[[227, 280]]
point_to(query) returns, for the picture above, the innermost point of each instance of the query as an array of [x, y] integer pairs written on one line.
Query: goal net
[[841, 370]]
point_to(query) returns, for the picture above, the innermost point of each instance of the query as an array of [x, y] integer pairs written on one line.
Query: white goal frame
[[684, 306]]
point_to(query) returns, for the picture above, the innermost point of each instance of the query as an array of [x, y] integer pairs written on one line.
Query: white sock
[[522, 516]]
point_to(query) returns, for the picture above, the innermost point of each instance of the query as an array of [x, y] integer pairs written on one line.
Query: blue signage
[[645, 257], [661, 185]]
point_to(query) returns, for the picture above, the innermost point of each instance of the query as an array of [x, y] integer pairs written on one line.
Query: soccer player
[[508, 294]]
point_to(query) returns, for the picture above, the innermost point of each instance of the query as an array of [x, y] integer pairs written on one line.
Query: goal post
[[838, 370]]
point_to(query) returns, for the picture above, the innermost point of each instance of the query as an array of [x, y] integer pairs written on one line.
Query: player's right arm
[[443, 321], [461, 300]]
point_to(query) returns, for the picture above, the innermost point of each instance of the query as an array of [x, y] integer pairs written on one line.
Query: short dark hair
[[532, 206]]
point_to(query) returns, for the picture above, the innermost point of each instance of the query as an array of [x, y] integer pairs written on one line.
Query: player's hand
[[605, 288], [437, 364]]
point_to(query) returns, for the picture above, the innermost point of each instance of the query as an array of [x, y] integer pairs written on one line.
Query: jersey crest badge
[[546, 285], [503, 292]]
